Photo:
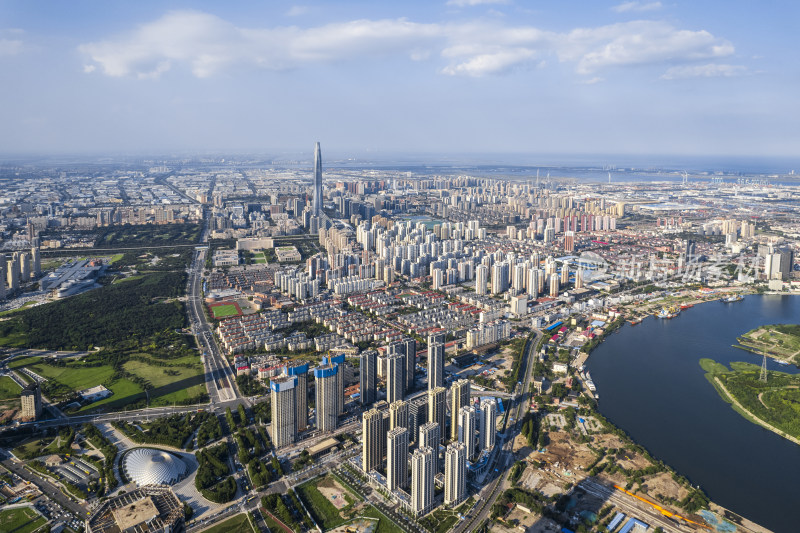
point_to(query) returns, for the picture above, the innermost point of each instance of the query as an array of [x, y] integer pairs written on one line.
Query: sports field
[[225, 310], [21, 520]]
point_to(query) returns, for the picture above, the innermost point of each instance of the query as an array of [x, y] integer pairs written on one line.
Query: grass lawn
[[439, 521], [273, 525], [74, 375], [238, 524], [21, 520], [384, 524], [9, 388], [318, 505], [123, 392], [171, 384], [31, 449], [23, 361], [223, 311]]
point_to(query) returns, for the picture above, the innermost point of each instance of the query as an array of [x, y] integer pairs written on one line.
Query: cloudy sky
[[446, 76]]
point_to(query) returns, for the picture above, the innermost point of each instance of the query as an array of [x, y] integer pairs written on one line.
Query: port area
[[671, 304]]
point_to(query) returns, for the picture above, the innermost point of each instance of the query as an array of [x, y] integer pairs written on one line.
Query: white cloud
[[206, 45], [711, 70], [592, 81], [636, 6], [640, 43], [466, 3], [296, 11], [491, 63]]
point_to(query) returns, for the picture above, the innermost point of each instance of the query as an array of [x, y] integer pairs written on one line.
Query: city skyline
[[445, 77]]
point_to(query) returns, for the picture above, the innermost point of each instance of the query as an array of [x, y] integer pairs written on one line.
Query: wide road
[[46, 487], [505, 458], [219, 375]]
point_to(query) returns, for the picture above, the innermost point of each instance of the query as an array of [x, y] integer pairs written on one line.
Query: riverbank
[[650, 387], [753, 391]]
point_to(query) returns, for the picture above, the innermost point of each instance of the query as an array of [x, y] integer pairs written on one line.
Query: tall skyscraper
[[368, 368], [437, 408], [284, 427], [373, 433], [435, 361], [459, 397], [422, 473], [395, 378], [488, 423], [31, 399], [411, 363], [299, 369], [467, 418], [397, 458], [398, 415], [317, 200], [455, 474], [326, 392]]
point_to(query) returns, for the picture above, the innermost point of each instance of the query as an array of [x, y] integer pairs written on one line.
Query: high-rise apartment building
[[326, 393], [397, 458], [455, 474], [299, 370], [368, 368], [422, 473], [437, 409], [488, 423], [467, 421], [284, 412], [411, 363], [430, 435], [373, 433], [395, 378], [436, 349], [481, 279], [398, 415], [31, 399], [459, 397]]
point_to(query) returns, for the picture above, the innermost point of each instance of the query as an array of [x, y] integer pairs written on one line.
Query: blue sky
[[453, 76]]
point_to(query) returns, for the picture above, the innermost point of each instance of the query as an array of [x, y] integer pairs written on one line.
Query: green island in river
[[774, 404], [779, 341]]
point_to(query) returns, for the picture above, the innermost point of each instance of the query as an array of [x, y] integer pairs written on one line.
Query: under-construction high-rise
[[317, 200]]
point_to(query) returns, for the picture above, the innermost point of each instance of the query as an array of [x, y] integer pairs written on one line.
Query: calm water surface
[[651, 386]]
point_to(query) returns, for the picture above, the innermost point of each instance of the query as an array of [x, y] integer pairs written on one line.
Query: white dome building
[[148, 466]]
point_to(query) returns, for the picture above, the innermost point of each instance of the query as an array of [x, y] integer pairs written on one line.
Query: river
[[651, 386]]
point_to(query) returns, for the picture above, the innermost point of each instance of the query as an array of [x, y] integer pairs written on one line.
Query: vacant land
[[781, 341], [238, 524], [774, 403], [21, 520]]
